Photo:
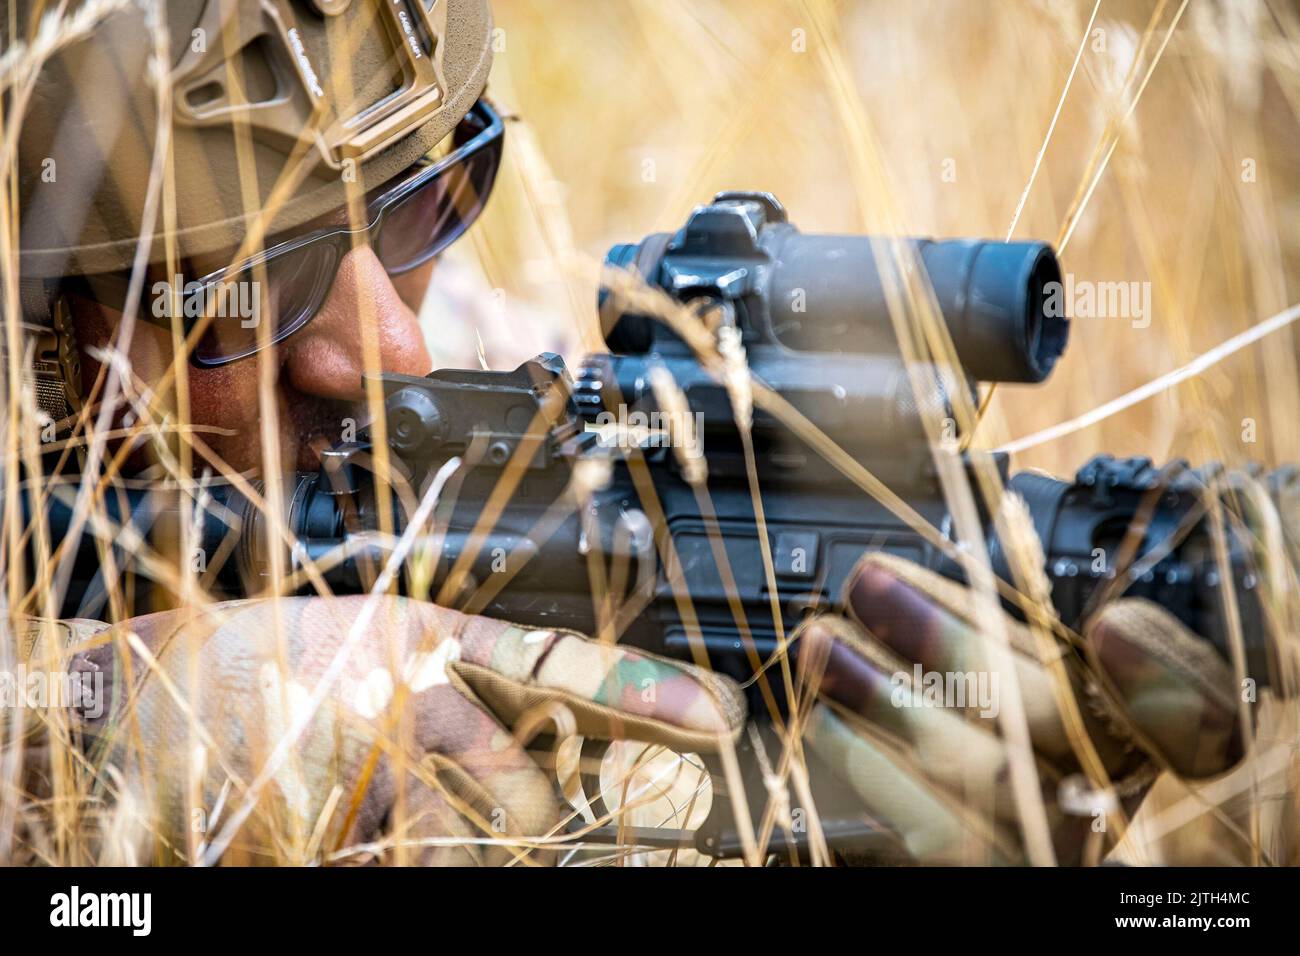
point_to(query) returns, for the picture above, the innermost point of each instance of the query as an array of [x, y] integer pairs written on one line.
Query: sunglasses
[[406, 225]]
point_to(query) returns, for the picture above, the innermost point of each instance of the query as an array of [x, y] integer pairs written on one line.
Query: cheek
[[223, 396], [150, 354]]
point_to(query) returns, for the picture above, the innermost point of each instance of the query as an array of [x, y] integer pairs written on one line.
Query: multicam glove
[[411, 742], [908, 708]]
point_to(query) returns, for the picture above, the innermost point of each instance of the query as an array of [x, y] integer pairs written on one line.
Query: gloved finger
[[417, 824], [427, 830], [398, 700], [437, 825], [398, 696], [442, 835], [257, 666], [612, 691], [956, 750], [929, 622], [1172, 685], [502, 791], [933, 826]]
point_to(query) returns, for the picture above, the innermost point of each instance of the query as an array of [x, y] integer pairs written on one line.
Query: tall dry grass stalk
[[1156, 141]]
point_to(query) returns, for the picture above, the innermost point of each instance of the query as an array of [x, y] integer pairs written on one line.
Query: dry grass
[[1174, 159], [712, 95]]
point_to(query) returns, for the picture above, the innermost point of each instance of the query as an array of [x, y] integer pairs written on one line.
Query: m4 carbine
[[570, 507]]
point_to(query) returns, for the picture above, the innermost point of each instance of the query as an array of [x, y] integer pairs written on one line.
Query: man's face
[[318, 370]]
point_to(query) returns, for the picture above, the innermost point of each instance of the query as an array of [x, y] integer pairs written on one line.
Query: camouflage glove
[[907, 711], [411, 743]]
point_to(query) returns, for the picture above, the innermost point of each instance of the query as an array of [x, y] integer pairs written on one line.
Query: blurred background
[[925, 117]]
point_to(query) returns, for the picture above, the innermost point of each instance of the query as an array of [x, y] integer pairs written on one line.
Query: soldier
[[262, 227]]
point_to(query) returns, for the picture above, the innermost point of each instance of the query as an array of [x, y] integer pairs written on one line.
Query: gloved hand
[[1150, 695], [412, 742]]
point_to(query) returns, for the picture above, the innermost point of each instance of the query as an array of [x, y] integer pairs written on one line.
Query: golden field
[[1174, 161]]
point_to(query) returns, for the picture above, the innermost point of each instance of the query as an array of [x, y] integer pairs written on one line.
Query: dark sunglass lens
[[285, 291], [438, 213]]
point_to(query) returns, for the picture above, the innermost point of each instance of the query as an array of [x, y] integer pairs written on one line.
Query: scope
[[825, 293]]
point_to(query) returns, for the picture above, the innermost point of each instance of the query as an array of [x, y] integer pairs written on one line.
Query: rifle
[[600, 502]]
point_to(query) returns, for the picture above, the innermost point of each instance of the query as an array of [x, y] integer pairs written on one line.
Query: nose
[[328, 357]]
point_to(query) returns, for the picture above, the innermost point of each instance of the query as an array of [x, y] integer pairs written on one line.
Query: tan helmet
[[277, 108]]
